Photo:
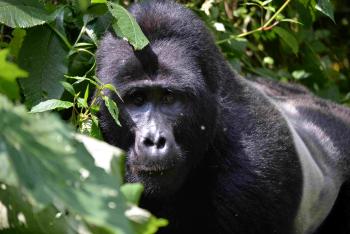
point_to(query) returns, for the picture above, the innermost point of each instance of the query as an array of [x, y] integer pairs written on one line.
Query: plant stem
[[267, 24], [80, 34]]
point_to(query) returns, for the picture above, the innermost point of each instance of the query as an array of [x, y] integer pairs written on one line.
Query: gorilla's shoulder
[[277, 88]]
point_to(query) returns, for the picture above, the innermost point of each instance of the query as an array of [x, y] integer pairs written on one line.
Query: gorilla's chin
[[158, 181]]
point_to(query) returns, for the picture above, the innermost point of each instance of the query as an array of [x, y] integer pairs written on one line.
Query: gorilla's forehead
[[175, 68]]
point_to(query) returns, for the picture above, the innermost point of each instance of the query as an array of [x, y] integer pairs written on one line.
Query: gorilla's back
[[321, 134]]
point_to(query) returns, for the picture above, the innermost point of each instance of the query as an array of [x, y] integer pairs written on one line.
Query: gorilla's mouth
[[160, 176], [151, 170], [147, 166]]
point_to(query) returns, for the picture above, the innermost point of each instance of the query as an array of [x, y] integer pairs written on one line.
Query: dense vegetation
[[54, 180]]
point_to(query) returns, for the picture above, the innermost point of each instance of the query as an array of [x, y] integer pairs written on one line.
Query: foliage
[[294, 41], [45, 169], [50, 182]]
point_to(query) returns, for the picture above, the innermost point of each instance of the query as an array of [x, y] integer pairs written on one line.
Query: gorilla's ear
[[148, 59]]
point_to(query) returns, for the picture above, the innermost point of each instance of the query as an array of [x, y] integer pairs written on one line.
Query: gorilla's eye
[[138, 99], [168, 98]]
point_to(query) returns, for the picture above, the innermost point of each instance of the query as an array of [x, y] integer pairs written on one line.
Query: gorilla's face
[[155, 156], [166, 112]]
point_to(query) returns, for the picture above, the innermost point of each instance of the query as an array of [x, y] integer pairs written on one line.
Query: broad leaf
[[23, 13], [23, 219], [51, 104], [127, 27], [44, 56], [325, 6], [288, 38], [52, 168], [9, 73]]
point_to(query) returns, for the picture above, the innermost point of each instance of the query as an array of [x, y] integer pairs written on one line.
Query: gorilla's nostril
[[148, 142], [161, 143]]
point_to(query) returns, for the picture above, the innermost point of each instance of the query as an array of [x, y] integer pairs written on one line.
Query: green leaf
[[24, 219], [80, 79], [264, 3], [268, 60], [82, 103], [83, 4], [52, 167], [17, 41], [98, 1], [127, 27], [23, 13], [67, 86], [90, 127], [86, 94], [300, 74], [44, 56], [51, 104], [288, 38], [132, 192], [325, 6], [144, 222], [112, 88], [112, 108], [9, 73], [291, 21]]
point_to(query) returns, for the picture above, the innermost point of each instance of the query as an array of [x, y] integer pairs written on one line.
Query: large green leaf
[[127, 27], [44, 56], [49, 166], [55, 168], [24, 219], [9, 73], [325, 6], [23, 13]]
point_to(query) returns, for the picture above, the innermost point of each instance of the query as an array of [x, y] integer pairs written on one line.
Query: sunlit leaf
[[17, 40], [126, 26], [8, 74], [23, 13], [132, 192], [325, 6], [51, 104], [51, 166]]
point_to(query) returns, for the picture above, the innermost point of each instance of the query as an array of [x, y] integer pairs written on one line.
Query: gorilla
[[217, 153]]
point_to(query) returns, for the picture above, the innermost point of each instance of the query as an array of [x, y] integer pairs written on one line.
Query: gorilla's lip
[[151, 169]]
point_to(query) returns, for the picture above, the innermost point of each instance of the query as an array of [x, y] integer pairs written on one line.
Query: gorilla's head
[[168, 109]]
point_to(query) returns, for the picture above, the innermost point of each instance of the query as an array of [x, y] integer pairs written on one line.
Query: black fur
[[249, 153]]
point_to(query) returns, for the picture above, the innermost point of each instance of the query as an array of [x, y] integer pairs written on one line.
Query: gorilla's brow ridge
[[160, 84]]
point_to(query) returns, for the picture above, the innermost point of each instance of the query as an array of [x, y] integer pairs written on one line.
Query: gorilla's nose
[[158, 141], [154, 145]]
